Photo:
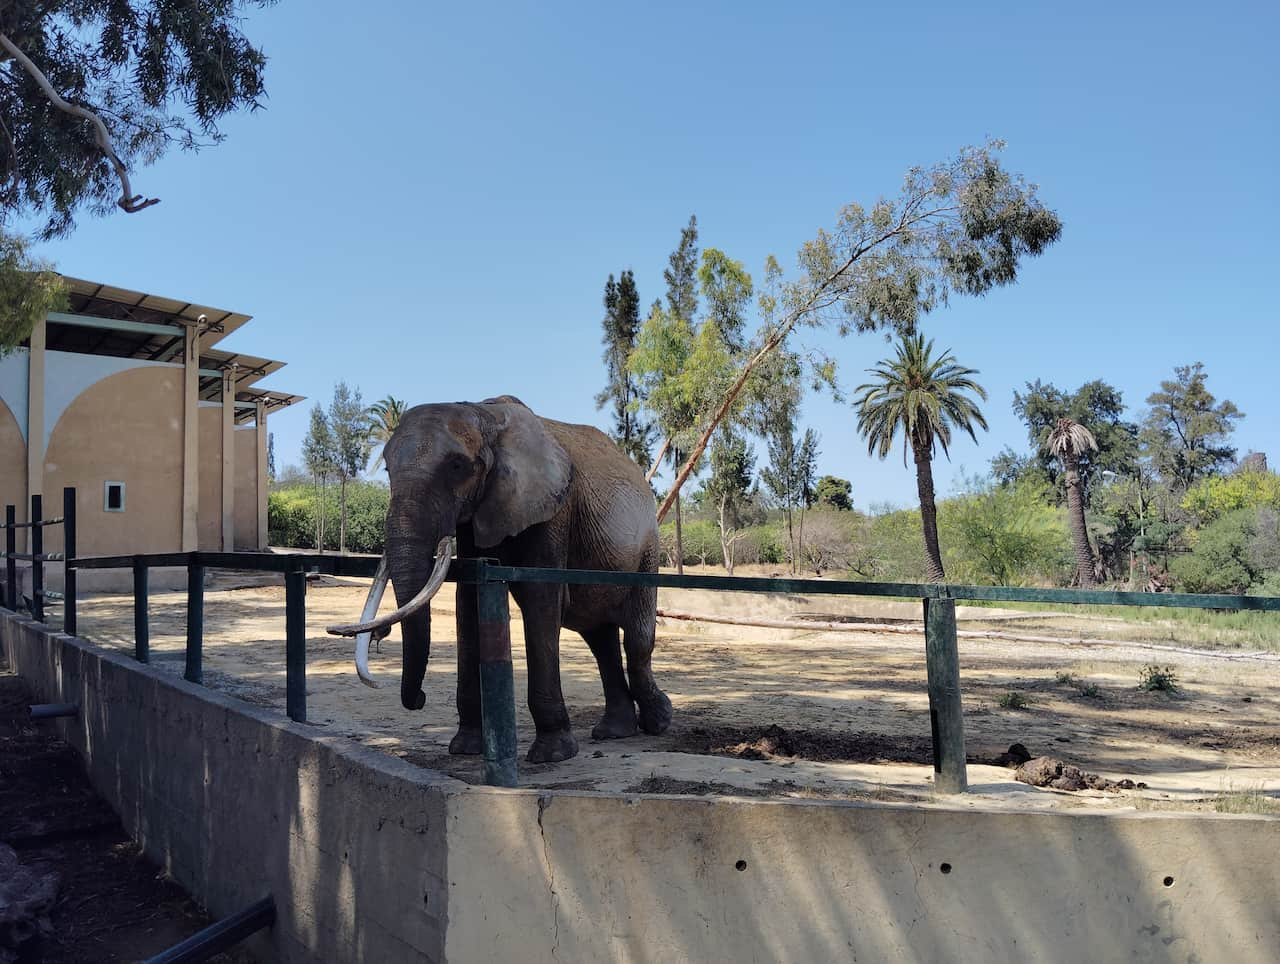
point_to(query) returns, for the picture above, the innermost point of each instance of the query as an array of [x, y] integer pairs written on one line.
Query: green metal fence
[[491, 580]]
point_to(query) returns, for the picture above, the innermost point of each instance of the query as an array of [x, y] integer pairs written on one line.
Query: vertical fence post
[[195, 620], [295, 634], [37, 564], [10, 563], [497, 686], [68, 561], [943, 663], [141, 621]]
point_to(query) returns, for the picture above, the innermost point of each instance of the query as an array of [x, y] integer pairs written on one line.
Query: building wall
[[13, 462], [125, 428], [209, 525], [247, 487]]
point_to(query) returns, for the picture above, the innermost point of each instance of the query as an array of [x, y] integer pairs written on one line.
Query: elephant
[[528, 491]]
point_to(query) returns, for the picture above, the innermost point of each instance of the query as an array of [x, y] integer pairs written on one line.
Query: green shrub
[[1013, 700], [291, 516], [1160, 679], [1220, 560]]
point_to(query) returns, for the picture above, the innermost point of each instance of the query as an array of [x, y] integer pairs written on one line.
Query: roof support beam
[[91, 321]]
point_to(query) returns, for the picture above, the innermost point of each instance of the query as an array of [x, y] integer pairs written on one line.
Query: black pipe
[[69, 554], [216, 938], [10, 564], [37, 563], [51, 711]]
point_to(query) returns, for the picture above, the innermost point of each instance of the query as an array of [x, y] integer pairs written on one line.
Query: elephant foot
[[553, 747], [467, 742], [616, 724], [655, 712]]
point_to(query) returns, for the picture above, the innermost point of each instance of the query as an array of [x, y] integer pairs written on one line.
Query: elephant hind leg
[[637, 639], [619, 718]]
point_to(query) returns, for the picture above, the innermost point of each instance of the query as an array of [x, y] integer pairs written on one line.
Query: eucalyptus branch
[[129, 201]]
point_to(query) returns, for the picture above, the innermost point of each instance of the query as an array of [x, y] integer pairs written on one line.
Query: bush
[[1159, 679], [1013, 700], [291, 516], [1220, 560]]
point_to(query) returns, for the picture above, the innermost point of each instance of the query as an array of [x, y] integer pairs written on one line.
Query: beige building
[[164, 436]]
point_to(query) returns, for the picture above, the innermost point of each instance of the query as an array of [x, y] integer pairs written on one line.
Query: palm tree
[[924, 398], [384, 417], [1067, 441]]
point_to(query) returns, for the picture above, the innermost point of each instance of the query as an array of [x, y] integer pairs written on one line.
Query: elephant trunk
[[415, 584]]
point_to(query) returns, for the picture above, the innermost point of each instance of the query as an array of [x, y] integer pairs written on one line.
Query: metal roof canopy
[[105, 320]]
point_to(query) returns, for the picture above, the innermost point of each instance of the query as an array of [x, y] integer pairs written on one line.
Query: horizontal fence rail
[[491, 580]]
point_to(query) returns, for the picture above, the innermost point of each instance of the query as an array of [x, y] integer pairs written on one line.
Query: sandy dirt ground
[[776, 712]]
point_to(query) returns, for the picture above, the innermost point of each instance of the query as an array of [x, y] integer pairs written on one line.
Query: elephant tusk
[[444, 551], [371, 605]]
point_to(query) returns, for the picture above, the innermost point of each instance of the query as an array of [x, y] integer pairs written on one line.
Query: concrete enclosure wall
[[372, 859]]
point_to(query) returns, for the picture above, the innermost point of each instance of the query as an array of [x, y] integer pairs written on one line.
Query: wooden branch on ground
[[917, 629]]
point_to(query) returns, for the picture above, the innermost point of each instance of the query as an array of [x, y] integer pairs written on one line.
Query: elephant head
[[492, 465]]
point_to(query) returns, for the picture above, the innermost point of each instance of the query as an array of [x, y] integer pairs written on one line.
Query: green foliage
[[349, 423], [29, 290], [1187, 429], [1005, 535], [701, 543], [1158, 679], [317, 446], [1095, 406], [291, 517], [621, 324], [159, 73], [962, 225], [1225, 555], [681, 274], [384, 418], [1214, 497], [1013, 700], [835, 492], [923, 398], [919, 396]]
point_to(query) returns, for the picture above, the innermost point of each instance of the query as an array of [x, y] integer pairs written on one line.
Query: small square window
[[113, 497]]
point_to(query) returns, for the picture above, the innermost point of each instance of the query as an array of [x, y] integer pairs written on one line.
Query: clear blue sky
[[434, 195]]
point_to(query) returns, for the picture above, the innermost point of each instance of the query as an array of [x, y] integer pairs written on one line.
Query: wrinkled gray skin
[[527, 491]]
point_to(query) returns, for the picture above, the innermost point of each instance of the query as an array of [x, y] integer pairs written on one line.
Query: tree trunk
[[800, 540], [679, 540], [726, 544], [324, 498], [1079, 532], [342, 517], [315, 484], [657, 463], [928, 517]]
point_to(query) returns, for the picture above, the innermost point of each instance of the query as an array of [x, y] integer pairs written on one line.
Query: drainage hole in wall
[[945, 868], [740, 865], [1168, 881]]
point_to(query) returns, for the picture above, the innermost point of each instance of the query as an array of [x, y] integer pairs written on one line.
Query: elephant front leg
[[540, 607], [468, 740]]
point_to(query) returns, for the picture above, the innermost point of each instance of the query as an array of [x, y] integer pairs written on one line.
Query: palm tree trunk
[[1079, 532], [928, 517]]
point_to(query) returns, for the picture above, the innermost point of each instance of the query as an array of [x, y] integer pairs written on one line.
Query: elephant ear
[[529, 480]]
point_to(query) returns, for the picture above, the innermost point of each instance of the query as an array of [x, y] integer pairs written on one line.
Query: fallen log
[[918, 630]]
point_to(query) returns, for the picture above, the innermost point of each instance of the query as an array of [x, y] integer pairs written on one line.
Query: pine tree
[[621, 325]]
